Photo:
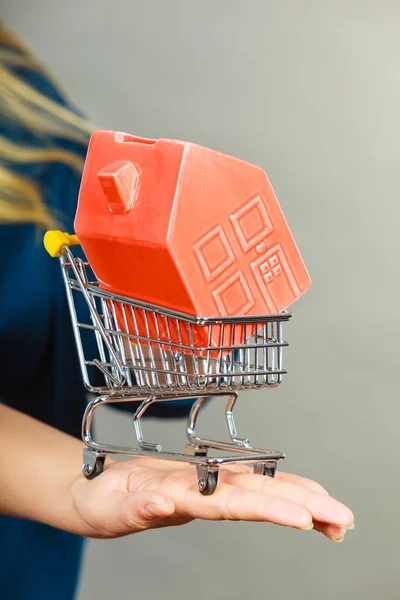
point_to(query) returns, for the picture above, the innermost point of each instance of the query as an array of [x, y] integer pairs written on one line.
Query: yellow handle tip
[[55, 242]]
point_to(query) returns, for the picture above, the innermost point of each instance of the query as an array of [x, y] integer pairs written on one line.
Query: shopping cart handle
[[55, 242]]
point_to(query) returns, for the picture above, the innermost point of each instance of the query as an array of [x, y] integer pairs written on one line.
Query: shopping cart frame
[[209, 372]]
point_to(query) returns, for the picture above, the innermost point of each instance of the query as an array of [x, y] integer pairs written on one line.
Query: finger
[[144, 510], [166, 465], [336, 534], [232, 503], [142, 477], [227, 503], [279, 476], [302, 481], [322, 507]]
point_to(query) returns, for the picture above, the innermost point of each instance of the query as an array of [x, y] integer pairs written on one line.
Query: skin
[[40, 480]]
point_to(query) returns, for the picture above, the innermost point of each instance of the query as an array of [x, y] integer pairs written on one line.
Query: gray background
[[309, 90]]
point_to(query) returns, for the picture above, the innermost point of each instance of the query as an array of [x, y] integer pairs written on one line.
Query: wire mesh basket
[[154, 354]]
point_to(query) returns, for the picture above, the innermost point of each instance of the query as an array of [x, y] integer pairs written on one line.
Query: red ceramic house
[[184, 227]]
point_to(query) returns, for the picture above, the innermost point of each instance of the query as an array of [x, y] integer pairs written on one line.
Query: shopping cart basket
[[138, 363]]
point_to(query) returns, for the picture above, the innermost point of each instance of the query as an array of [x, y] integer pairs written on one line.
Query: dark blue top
[[39, 370]]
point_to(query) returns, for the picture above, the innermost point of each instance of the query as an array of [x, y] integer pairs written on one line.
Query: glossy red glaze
[[186, 228]]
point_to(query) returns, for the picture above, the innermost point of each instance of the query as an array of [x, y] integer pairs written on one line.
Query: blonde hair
[[21, 199]]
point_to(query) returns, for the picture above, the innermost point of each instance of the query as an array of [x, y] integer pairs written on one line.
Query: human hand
[[149, 493]]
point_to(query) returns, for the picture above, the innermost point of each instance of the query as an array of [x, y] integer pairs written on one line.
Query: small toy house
[[187, 228]]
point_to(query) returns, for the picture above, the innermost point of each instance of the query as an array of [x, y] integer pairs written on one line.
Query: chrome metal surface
[[137, 359], [144, 353], [242, 453]]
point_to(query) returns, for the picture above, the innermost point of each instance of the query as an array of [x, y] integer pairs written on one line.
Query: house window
[[214, 253], [251, 223]]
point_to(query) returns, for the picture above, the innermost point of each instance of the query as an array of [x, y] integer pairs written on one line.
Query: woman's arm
[[38, 465], [40, 480]]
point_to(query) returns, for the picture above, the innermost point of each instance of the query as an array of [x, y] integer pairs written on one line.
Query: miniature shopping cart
[[148, 354]]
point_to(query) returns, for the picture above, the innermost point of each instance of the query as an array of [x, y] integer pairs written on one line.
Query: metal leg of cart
[[95, 453], [199, 447], [196, 452]]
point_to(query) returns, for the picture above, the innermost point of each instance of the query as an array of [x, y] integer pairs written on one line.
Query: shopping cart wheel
[[207, 480], [208, 486], [90, 472], [268, 468]]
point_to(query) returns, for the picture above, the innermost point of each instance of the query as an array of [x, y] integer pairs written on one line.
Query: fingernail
[[308, 527], [351, 527], [156, 510], [337, 540]]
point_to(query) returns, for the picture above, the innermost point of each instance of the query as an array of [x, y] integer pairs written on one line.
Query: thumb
[[144, 510]]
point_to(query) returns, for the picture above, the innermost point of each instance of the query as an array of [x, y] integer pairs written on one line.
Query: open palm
[[148, 493]]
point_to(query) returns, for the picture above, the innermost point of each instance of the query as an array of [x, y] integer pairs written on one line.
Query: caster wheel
[[208, 486], [268, 469], [97, 469]]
